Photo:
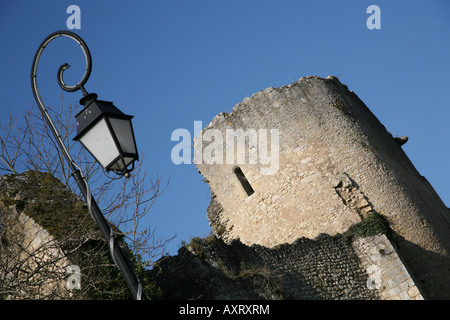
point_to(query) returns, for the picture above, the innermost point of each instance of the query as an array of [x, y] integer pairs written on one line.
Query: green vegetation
[[51, 205], [373, 224]]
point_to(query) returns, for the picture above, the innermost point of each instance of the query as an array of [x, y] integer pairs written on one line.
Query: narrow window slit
[[243, 180]]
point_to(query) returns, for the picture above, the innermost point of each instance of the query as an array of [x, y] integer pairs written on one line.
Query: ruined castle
[[311, 198], [337, 165]]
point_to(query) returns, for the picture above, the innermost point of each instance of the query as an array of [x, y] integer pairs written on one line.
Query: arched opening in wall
[[243, 180]]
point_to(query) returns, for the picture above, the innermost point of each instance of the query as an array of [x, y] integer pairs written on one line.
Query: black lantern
[[107, 133]]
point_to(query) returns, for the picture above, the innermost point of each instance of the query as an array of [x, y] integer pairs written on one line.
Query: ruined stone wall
[[322, 268], [326, 135], [34, 257], [47, 234], [386, 271]]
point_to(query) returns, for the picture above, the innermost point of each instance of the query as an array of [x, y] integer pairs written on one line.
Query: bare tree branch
[[124, 202]]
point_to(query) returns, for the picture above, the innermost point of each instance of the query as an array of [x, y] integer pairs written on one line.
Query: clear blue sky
[[170, 63]]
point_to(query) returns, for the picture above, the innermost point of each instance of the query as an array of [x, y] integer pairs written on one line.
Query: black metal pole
[[116, 251]]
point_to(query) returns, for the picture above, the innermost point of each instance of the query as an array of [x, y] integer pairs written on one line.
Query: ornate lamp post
[[108, 135]]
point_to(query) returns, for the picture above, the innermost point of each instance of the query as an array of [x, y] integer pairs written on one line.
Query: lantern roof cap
[[94, 111]]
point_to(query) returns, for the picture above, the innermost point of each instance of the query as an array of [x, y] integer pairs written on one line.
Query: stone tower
[[311, 158]]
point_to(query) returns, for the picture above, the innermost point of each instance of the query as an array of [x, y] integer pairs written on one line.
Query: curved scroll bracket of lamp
[[105, 131]]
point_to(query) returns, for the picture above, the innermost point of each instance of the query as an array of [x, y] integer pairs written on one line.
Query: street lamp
[[108, 135]]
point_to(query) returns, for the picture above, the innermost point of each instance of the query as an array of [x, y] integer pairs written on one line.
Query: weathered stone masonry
[[322, 268], [345, 216], [326, 133]]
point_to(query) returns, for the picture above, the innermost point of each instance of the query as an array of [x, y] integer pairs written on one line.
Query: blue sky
[[170, 63]]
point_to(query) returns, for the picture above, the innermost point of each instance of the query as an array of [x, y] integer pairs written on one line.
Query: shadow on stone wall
[[322, 268], [429, 287]]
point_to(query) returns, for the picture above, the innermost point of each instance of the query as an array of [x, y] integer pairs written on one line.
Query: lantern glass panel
[[124, 133], [99, 142]]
